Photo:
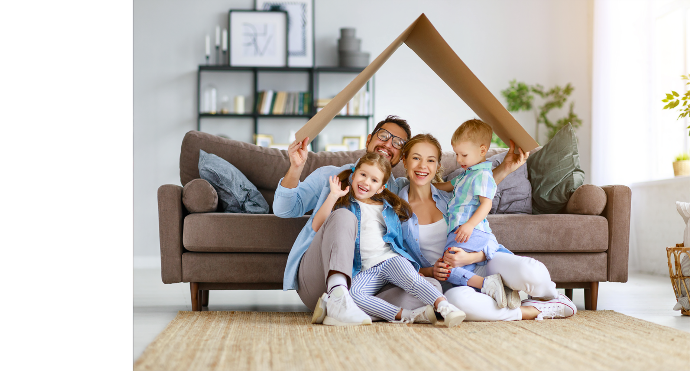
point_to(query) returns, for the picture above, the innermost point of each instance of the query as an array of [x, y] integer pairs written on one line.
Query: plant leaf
[[674, 93]]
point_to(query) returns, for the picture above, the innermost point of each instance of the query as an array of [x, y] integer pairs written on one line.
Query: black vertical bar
[[256, 89], [198, 99]]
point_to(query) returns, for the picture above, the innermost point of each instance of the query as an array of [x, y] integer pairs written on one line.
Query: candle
[[217, 36], [208, 45], [239, 104], [225, 39]]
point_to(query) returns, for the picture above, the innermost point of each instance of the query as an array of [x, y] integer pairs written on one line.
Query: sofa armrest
[[617, 212], [171, 215]]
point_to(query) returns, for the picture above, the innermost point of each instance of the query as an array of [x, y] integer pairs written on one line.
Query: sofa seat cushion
[[550, 233], [574, 267], [233, 268], [223, 232]]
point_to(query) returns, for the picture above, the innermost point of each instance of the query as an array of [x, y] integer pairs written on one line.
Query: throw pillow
[[555, 172], [513, 194], [199, 196], [236, 193]]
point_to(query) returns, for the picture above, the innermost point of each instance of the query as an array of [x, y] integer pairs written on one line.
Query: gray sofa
[[585, 245]]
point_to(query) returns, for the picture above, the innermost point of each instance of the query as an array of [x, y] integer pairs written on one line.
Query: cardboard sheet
[[427, 43]]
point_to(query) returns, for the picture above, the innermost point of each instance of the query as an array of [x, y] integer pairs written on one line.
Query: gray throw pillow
[[513, 194], [236, 194], [555, 172]]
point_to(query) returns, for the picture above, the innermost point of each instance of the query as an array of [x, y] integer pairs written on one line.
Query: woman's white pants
[[518, 273]]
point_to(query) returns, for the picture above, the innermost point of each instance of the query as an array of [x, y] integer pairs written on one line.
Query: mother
[[425, 236]]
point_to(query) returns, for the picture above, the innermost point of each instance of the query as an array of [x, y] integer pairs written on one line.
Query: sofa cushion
[[198, 196], [236, 193], [555, 172], [587, 200], [513, 194], [220, 232], [253, 268], [550, 233], [574, 267]]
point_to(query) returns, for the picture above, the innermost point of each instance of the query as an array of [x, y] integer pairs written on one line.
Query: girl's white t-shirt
[[432, 240], [372, 248]]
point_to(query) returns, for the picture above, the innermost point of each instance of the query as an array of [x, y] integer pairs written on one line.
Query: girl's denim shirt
[[393, 236]]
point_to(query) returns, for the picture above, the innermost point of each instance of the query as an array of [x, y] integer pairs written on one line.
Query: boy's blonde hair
[[475, 131]]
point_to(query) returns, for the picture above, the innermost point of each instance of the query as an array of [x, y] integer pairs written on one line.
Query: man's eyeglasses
[[384, 135]]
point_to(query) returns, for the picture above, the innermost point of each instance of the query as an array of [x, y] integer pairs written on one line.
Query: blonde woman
[[425, 239]]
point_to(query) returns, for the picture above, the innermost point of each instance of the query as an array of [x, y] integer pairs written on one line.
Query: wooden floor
[[155, 304]]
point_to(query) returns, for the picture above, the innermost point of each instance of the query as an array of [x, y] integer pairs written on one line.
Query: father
[[322, 261]]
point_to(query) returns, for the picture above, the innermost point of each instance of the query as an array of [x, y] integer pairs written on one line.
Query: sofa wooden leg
[[204, 298], [194, 291], [591, 295], [569, 293]]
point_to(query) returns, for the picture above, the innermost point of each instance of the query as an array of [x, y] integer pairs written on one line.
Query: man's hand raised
[[298, 153], [298, 157], [511, 162]]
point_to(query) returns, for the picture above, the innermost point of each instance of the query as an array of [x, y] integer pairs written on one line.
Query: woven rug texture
[[590, 340]]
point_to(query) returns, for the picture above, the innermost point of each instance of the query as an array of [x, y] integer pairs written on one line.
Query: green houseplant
[[520, 97], [681, 166]]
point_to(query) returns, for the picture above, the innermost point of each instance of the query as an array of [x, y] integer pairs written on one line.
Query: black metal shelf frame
[[313, 75]]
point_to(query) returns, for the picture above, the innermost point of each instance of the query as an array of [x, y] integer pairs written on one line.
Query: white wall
[[655, 223], [546, 42]]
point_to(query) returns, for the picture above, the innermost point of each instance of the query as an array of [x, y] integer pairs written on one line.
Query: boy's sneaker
[[424, 314], [493, 286], [560, 307], [452, 316], [513, 297], [320, 310], [341, 310]]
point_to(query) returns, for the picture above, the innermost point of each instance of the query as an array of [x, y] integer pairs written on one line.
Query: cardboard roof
[[427, 43]]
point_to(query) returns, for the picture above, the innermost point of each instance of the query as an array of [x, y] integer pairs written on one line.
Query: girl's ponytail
[[344, 177], [401, 207]]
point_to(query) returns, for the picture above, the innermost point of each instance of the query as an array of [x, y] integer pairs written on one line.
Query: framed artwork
[[336, 147], [300, 28], [353, 143], [281, 146], [263, 140], [258, 38]]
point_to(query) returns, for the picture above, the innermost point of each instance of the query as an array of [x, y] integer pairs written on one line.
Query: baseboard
[[147, 262]]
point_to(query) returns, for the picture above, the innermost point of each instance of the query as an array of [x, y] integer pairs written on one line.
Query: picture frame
[[336, 147], [354, 143], [300, 28], [263, 140], [258, 38], [281, 146]]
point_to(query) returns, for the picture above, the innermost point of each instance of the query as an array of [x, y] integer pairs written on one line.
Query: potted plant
[[520, 97], [681, 166]]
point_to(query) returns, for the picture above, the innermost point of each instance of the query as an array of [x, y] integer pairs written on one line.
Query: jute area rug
[[591, 340]]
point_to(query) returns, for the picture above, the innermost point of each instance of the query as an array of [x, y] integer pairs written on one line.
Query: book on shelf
[[278, 104], [269, 102]]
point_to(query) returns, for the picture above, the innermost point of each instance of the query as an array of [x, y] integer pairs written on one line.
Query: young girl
[[379, 254]]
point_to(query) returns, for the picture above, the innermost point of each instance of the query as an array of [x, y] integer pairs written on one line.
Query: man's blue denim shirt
[[309, 195]]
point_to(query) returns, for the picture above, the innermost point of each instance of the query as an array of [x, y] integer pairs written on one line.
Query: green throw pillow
[[555, 173]]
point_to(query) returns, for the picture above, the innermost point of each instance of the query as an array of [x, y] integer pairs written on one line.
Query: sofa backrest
[[265, 166]]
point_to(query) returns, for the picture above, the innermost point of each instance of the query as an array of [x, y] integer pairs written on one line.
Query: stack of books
[[357, 106], [271, 102]]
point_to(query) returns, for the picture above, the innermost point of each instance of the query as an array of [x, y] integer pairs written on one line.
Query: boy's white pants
[[518, 273]]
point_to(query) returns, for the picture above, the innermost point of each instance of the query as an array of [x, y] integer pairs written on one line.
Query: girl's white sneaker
[[452, 316]]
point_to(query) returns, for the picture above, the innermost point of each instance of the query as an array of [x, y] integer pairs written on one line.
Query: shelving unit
[[313, 74]]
